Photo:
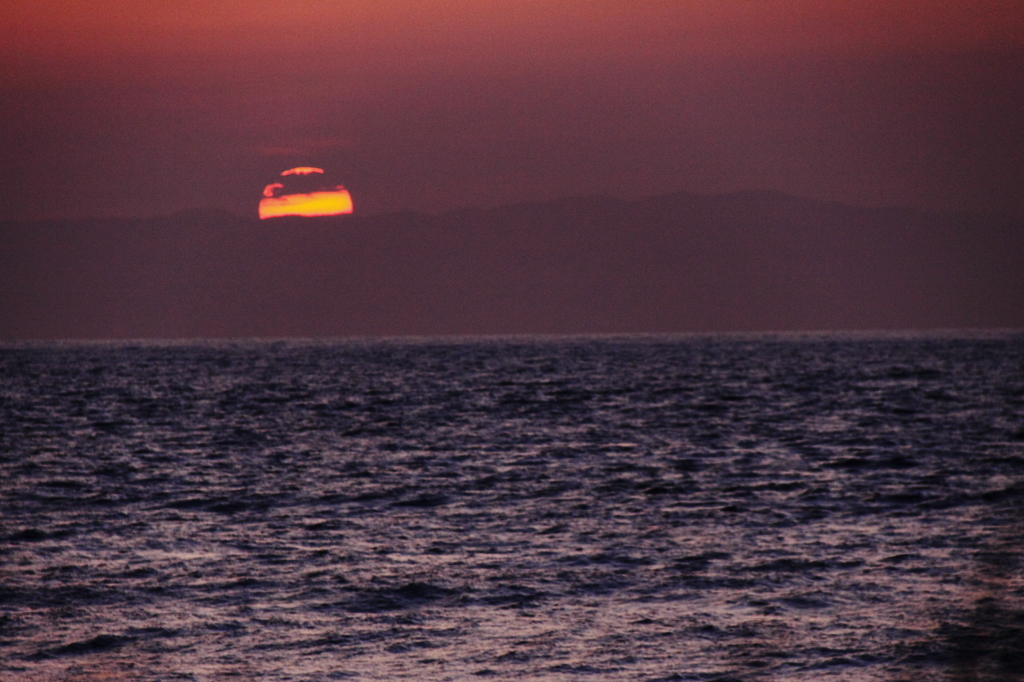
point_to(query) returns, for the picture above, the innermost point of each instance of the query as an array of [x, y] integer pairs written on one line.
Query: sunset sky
[[130, 108]]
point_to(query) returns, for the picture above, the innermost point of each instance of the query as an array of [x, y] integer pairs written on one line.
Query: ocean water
[[757, 507]]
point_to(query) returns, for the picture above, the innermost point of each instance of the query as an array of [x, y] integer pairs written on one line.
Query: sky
[[131, 108]]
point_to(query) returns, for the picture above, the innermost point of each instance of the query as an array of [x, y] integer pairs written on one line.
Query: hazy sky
[[124, 107]]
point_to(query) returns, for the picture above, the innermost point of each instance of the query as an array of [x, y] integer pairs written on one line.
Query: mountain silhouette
[[675, 263]]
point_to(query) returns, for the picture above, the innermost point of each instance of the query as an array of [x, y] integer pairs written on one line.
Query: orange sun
[[303, 192]]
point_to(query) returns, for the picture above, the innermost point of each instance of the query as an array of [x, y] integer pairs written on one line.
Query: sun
[[303, 191]]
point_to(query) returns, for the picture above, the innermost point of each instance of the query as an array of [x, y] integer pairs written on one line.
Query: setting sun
[[303, 192]]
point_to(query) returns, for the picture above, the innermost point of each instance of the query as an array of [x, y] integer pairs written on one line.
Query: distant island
[[682, 262]]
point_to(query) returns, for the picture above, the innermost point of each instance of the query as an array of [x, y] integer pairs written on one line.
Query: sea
[[801, 507]]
